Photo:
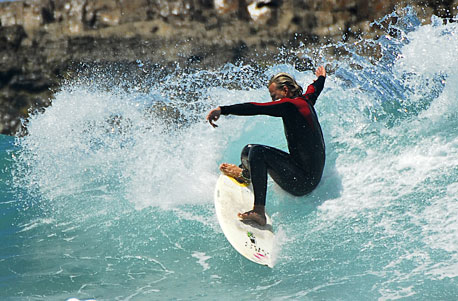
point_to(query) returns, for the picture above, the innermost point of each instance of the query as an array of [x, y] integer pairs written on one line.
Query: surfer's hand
[[320, 71], [214, 116]]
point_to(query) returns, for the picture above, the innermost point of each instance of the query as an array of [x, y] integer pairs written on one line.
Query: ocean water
[[109, 196]]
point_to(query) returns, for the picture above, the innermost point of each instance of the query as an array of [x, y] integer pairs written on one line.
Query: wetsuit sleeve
[[274, 108], [314, 90]]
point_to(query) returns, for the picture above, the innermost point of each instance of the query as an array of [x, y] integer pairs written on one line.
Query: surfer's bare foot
[[232, 170], [258, 215]]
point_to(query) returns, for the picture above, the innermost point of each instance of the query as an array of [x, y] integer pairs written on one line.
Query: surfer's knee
[[255, 151], [246, 150], [247, 154]]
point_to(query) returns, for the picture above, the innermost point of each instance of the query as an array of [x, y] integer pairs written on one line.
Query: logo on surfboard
[[259, 253]]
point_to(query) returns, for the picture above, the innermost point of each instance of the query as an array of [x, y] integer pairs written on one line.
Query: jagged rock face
[[40, 39]]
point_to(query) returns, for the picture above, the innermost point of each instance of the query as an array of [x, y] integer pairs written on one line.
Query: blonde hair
[[284, 79]]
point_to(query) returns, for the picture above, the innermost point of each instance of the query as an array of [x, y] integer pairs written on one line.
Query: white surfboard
[[253, 241]]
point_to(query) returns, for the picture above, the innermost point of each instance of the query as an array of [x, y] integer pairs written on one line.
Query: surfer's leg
[[288, 174], [255, 167], [258, 160], [258, 213]]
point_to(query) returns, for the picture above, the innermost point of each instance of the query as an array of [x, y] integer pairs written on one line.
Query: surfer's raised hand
[[320, 71], [214, 116]]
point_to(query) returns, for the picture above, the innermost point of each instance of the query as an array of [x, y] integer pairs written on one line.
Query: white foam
[[36, 223], [429, 56], [281, 238], [202, 259]]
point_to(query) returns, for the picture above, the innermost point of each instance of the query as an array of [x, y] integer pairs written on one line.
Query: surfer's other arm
[[277, 107]]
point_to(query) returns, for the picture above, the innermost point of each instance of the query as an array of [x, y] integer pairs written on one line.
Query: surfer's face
[[277, 94]]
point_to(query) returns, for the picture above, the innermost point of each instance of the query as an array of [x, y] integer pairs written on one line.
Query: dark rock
[[11, 37], [42, 41], [32, 82]]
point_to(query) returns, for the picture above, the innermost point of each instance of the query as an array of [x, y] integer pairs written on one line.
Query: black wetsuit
[[300, 171]]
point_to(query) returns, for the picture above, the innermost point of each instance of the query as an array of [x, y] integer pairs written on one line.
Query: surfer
[[297, 172]]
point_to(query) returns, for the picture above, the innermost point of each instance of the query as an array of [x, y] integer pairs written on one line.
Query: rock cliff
[[40, 40]]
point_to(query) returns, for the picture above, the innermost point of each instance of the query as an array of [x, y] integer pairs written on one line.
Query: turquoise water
[[108, 199]]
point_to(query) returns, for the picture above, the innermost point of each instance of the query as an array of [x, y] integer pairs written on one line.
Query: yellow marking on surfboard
[[237, 182]]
